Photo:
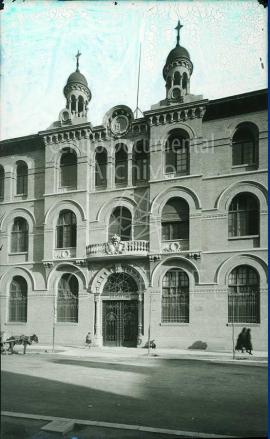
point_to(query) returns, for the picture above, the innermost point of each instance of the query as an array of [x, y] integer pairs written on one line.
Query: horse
[[21, 340]]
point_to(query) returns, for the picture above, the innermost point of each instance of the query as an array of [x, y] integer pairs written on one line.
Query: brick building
[[155, 222]]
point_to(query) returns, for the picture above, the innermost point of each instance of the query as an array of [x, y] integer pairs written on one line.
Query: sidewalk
[[107, 353]]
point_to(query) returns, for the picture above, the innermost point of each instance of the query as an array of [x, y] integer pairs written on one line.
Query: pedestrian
[[240, 344], [247, 342], [88, 339]]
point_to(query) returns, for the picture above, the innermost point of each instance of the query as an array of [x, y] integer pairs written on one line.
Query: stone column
[[129, 182], [98, 308], [110, 172], [140, 319]]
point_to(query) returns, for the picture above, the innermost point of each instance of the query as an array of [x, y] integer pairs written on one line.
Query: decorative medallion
[[118, 120]]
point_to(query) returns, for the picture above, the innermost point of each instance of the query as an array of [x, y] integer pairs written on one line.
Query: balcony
[[117, 248], [175, 246]]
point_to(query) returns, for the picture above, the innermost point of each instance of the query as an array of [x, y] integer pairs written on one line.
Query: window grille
[[243, 296], [175, 297], [18, 300], [67, 299]]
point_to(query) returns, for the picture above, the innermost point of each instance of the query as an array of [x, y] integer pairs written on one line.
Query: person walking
[[240, 344], [247, 342], [88, 339]]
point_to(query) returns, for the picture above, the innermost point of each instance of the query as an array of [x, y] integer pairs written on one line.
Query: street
[[188, 395]]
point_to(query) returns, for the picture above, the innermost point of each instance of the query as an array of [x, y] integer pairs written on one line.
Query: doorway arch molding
[[102, 276]]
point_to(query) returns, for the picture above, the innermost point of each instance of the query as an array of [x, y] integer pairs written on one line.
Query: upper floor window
[[19, 235], [244, 215], [121, 164], [140, 162], [101, 168], [175, 297], [66, 233], [121, 223], [18, 300], [175, 220], [21, 178], [244, 295], [67, 299], [2, 182], [68, 170], [177, 152], [244, 145]]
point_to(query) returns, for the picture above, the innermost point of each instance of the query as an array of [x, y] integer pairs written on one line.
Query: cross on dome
[[178, 28], [77, 56]]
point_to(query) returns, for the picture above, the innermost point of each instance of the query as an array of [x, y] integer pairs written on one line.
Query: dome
[[77, 77], [177, 52]]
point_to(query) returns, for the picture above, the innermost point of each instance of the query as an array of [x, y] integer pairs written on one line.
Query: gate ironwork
[[120, 323]]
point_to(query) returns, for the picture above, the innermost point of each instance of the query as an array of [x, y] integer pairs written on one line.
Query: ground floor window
[[67, 299], [18, 300], [175, 297], [243, 295]]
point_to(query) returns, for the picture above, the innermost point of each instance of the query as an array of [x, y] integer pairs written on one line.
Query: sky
[[40, 38]]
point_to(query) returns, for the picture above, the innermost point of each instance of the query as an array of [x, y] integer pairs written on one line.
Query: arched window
[[2, 182], [68, 170], [244, 215], [120, 223], [140, 162], [176, 78], [184, 81], [66, 233], [175, 297], [22, 178], [175, 220], [80, 104], [169, 82], [121, 164], [18, 300], [19, 235], [73, 104], [177, 153], [244, 146], [101, 168], [244, 295], [67, 299]]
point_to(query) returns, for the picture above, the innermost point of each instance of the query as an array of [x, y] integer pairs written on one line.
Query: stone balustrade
[[137, 248]]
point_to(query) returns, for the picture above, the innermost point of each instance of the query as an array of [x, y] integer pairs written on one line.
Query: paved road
[[176, 394]]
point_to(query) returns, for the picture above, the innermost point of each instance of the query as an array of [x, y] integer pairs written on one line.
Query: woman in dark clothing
[[248, 344], [240, 344]]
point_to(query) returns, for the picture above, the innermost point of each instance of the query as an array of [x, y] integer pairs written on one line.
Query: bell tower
[[177, 71], [77, 94]]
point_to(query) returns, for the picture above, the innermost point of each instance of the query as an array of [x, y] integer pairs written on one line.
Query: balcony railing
[[175, 246], [115, 248]]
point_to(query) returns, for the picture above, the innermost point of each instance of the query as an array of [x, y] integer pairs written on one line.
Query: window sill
[[20, 196], [236, 238], [174, 324], [245, 165], [16, 323], [253, 325], [66, 324], [17, 253]]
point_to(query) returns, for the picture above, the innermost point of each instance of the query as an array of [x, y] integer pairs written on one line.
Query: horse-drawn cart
[[7, 345]]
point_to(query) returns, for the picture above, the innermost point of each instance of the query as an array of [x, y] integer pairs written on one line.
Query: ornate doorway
[[120, 311], [120, 323]]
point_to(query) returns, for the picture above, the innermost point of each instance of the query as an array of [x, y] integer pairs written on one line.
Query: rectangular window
[[121, 172], [175, 230], [175, 306], [17, 309], [101, 175], [22, 184]]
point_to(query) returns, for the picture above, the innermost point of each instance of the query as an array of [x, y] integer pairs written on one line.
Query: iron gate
[[120, 323]]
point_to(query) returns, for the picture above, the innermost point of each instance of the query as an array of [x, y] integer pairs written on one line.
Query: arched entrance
[[120, 311]]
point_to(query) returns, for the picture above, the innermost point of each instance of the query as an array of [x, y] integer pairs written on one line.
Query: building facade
[[142, 226]]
